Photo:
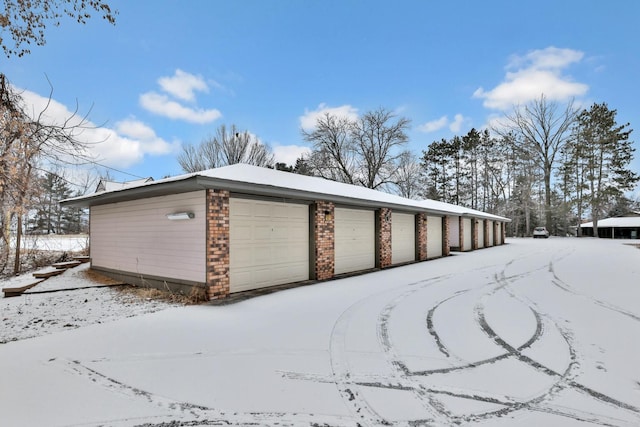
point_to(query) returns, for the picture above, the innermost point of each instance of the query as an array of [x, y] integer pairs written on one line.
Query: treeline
[[544, 163]]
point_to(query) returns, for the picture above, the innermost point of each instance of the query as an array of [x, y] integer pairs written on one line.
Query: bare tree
[[408, 175], [333, 155], [25, 20], [542, 128], [27, 140], [227, 147], [362, 151], [376, 136]]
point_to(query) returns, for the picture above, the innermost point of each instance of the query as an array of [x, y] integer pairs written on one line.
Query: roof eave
[[198, 182]]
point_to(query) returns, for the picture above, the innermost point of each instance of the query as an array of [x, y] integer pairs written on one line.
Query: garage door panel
[[403, 238], [480, 234], [354, 240], [262, 210], [434, 236], [243, 233], [467, 234], [269, 243]]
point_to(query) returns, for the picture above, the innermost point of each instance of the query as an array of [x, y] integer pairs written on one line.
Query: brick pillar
[[504, 231], [485, 224], [446, 250], [474, 234], [217, 244], [383, 237], [495, 233], [461, 236], [421, 236], [324, 240]]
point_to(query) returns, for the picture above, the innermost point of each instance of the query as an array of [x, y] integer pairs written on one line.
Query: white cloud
[[163, 106], [179, 88], [289, 153], [536, 73], [457, 123], [434, 125], [309, 119], [182, 85], [550, 58], [442, 122], [147, 138], [121, 147]]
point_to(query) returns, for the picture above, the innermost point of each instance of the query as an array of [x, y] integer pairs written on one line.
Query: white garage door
[[480, 225], [355, 247], [454, 232], [269, 243], [498, 237], [467, 234], [434, 236], [491, 230], [403, 237]]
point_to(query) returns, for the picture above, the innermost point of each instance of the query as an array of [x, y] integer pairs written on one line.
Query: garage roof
[[619, 222], [247, 179]]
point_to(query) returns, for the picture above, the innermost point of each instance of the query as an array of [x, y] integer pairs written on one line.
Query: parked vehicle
[[540, 232]]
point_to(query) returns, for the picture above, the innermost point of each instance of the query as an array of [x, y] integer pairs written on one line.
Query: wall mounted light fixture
[[180, 216], [327, 215]]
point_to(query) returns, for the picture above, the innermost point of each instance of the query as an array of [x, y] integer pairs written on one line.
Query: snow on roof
[[105, 185], [624, 221], [274, 180]]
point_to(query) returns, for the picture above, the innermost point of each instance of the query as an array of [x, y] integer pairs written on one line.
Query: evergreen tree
[[49, 216], [607, 152]]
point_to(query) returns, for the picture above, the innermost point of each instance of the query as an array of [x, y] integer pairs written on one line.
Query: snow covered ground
[[54, 242], [536, 332], [39, 311]]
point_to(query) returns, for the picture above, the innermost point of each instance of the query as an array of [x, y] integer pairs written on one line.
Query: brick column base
[[324, 240], [383, 236], [421, 236], [217, 244], [446, 249]]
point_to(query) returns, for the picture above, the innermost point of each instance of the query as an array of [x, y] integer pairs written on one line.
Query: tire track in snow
[[509, 403], [342, 375], [431, 328], [186, 414], [435, 409], [565, 379], [569, 289]]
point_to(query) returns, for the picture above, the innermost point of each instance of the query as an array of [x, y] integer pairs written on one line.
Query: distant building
[[624, 227]]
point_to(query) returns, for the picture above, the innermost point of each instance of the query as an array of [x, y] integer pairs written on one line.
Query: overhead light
[[180, 215]]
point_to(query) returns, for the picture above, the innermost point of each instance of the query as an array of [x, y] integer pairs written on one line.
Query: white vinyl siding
[[403, 238], [354, 240], [480, 225], [491, 231], [434, 236], [136, 237], [269, 243], [468, 234]]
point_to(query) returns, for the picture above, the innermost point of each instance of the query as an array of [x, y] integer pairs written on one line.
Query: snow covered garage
[[470, 229], [623, 227], [242, 227]]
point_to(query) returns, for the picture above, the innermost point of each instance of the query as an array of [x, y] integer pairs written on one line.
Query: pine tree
[[607, 152], [50, 217]]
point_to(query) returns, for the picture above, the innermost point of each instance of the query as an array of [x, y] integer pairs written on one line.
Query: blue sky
[[170, 72]]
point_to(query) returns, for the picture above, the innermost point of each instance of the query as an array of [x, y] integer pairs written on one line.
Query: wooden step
[[82, 258], [18, 290], [47, 274], [65, 265]]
